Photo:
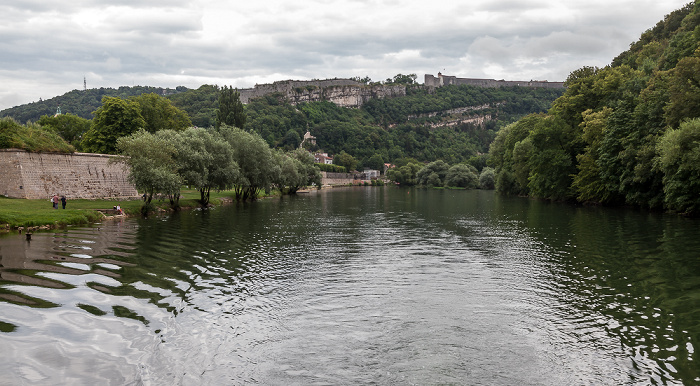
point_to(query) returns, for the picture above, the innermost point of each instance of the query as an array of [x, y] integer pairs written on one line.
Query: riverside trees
[[206, 159], [623, 134]]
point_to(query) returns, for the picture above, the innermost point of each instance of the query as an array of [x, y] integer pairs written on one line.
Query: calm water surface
[[357, 286]]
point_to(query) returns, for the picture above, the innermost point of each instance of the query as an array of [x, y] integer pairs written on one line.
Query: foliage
[[31, 137], [345, 160], [617, 135], [331, 168], [230, 111], [433, 174], [375, 162], [405, 174], [151, 162], [258, 167], [70, 127], [159, 113], [408, 80], [462, 176], [679, 156], [297, 170], [200, 104], [487, 178], [114, 119], [205, 161]]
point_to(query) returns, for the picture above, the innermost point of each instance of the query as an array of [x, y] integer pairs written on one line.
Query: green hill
[[625, 134], [79, 102]]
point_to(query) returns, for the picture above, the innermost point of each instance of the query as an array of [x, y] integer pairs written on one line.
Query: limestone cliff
[[342, 92]]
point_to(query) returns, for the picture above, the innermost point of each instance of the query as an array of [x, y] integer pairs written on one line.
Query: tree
[[679, 156], [346, 160], [297, 170], [258, 167], [433, 174], [291, 140], [462, 176], [231, 111], [375, 162], [160, 114], [684, 91], [205, 161], [69, 126], [152, 166], [403, 79], [114, 119], [487, 178]]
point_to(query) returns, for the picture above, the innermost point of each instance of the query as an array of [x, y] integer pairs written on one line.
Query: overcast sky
[[46, 48]]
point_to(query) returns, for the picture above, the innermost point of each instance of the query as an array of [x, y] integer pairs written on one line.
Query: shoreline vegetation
[[22, 215], [19, 215]]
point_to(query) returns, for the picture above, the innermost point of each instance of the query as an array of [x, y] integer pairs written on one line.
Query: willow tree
[[259, 168], [205, 161], [152, 167]]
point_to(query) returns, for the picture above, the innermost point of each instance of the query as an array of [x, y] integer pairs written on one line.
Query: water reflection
[[373, 285]]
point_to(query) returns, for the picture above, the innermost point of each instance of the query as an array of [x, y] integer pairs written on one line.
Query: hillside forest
[[625, 134]]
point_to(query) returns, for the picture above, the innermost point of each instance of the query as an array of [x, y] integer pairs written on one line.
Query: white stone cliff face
[[342, 92]]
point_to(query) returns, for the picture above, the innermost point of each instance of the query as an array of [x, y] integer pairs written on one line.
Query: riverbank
[[23, 214]]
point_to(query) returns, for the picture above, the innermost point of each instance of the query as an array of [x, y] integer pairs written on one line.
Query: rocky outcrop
[[342, 92]]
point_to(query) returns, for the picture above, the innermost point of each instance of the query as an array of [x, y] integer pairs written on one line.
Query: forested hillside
[[624, 134], [79, 102], [452, 123]]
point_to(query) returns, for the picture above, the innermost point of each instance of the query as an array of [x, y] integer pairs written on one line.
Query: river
[[372, 285]]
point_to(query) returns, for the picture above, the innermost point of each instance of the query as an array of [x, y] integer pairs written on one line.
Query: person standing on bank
[[55, 201], [63, 202]]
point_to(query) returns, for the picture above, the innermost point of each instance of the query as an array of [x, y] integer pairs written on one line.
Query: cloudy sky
[[47, 48]]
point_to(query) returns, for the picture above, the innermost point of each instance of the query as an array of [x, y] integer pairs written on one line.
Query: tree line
[[438, 174], [223, 158], [625, 134]]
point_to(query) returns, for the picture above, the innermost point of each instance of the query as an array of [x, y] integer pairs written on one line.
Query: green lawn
[[16, 212]]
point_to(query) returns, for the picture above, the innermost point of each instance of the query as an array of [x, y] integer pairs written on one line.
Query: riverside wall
[[30, 175], [329, 178]]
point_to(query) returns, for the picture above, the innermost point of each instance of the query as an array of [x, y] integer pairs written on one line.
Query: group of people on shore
[[55, 200]]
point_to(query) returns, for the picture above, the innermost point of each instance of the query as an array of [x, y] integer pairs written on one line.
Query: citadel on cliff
[[351, 93]]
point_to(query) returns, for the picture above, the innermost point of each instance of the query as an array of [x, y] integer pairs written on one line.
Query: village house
[[323, 158]]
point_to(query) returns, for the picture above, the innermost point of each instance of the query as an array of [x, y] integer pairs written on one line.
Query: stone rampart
[[79, 175], [445, 80]]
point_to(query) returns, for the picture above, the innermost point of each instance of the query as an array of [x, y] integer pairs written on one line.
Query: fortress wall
[[444, 80], [79, 175]]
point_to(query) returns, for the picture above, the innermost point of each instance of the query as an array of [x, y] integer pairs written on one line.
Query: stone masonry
[[444, 80], [78, 175]]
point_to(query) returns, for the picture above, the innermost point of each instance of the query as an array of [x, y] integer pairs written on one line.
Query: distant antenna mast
[[84, 84]]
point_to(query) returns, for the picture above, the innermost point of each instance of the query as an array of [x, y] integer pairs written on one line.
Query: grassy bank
[[15, 213]]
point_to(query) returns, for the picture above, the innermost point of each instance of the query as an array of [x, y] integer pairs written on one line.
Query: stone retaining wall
[[329, 178], [79, 175]]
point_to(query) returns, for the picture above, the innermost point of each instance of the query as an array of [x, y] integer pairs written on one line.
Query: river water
[[352, 286]]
